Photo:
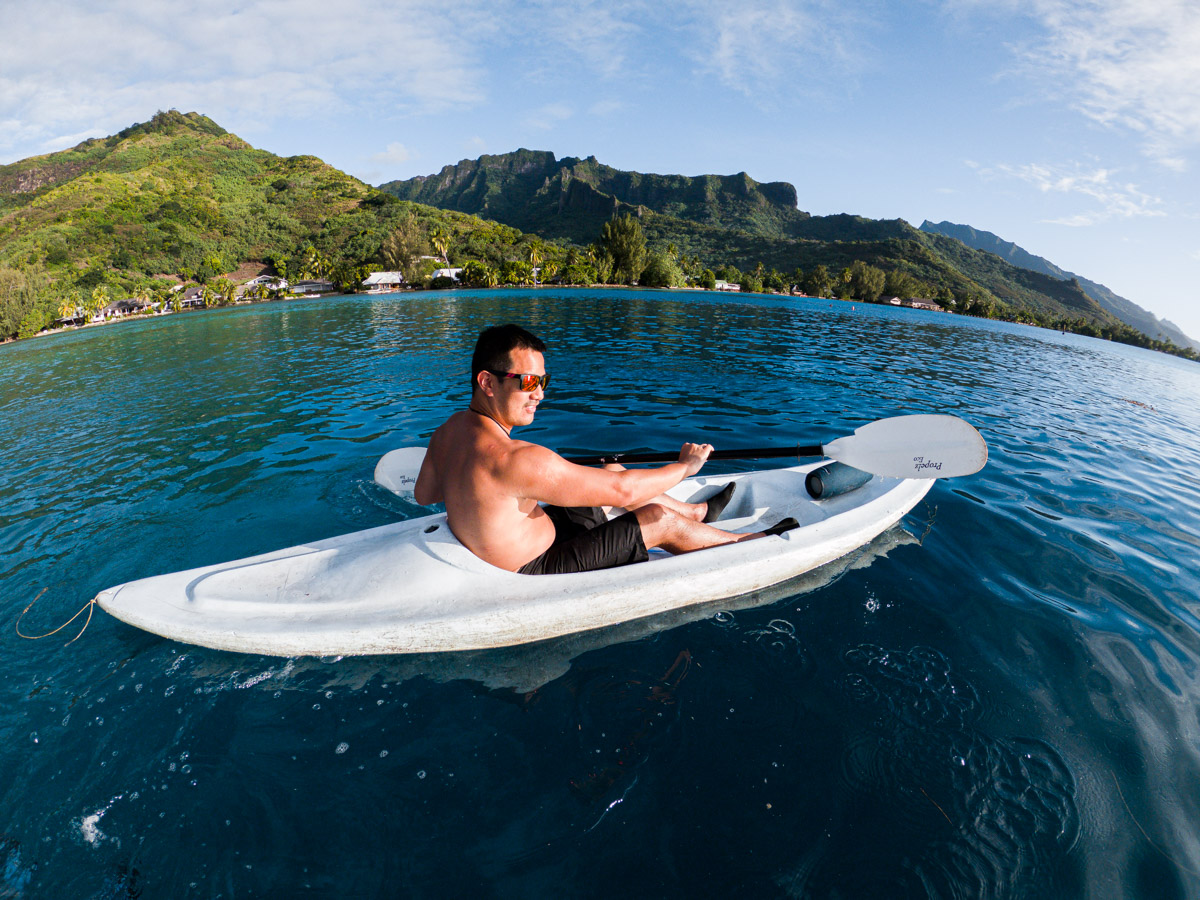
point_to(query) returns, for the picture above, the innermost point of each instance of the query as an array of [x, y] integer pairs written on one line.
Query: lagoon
[[998, 701]]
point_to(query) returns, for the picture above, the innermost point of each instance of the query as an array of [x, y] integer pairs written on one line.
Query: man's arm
[[540, 474], [428, 488]]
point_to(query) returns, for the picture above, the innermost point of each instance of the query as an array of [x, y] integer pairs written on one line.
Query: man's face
[[517, 405]]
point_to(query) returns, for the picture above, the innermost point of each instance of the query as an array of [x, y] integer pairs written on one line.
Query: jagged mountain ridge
[[572, 198], [730, 218], [1125, 310], [180, 196]]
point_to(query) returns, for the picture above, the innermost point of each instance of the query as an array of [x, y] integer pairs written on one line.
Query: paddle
[[919, 446]]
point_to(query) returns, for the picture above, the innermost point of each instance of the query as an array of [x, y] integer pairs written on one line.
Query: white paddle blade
[[922, 446], [398, 470]]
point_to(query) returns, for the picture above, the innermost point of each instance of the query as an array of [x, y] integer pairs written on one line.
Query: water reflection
[[1006, 710]]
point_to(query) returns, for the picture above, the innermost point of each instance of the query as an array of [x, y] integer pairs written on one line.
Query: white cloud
[[762, 47], [546, 117], [1112, 199], [1129, 64], [597, 33], [81, 68], [396, 154], [605, 107]]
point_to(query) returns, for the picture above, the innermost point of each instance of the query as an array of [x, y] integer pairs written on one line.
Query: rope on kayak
[[88, 607]]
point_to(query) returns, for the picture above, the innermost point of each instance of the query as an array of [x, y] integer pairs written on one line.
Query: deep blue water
[[997, 700]]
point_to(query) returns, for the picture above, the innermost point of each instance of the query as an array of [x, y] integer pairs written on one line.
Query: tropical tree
[[350, 275], [549, 270], [842, 284], [661, 271], [315, 264], [604, 268], [515, 271], [622, 238], [97, 301], [580, 273], [866, 281], [474, 273], [404, 246], [818, 282], [901, 284], [441, 242], [71, 305], [535, 257]]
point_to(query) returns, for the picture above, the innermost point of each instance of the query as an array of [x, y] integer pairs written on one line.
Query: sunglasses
[[529, 383]]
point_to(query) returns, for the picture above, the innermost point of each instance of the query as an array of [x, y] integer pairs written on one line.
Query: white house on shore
[[383, 282], [452, 273], [271, 282], [914, 303], [727, 286], [312, 287]]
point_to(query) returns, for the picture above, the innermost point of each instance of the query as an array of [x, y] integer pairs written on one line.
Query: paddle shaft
[[660, 457]]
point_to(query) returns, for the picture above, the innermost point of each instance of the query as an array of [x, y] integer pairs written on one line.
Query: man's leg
[[679, 533]]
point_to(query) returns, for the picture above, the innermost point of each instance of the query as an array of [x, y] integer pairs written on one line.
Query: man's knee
[[657, 522]]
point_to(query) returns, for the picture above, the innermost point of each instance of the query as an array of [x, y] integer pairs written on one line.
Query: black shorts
[[585, 540]]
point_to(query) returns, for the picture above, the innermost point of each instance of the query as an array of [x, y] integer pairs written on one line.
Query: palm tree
[[441, 242], [316, 263], [97, 301], [69, 308], [535, 258]]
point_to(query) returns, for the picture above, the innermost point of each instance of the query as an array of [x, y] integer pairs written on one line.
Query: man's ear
[[484, 380]]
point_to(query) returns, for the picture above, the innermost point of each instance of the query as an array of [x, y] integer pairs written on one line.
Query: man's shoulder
[[524, 450]]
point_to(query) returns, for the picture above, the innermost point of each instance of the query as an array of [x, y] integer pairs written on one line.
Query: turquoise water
[[999, 699]]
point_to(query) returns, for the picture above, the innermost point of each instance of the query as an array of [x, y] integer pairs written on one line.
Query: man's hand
[[694, 456]]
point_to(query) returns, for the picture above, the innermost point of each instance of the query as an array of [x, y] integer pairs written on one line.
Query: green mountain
[[1125, 310], [178, 198], [572, 198], [737, 221]]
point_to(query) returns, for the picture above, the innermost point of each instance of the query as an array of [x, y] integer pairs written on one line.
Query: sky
[[1070, 127]]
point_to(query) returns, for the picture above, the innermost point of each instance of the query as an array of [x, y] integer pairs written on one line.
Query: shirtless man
[[491, 484]]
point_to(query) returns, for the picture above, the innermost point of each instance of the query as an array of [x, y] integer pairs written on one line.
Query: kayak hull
[[411, 587]]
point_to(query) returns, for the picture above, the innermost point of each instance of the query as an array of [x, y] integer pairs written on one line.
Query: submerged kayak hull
[[411, 587]]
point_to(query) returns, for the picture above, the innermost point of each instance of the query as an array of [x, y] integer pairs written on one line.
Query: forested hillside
[[179, 199], [740, 226], [1125, 310]]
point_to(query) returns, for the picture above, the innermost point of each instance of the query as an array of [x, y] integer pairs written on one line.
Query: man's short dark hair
[[495, 345]]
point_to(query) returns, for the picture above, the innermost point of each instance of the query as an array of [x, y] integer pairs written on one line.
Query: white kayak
[[411, 587]]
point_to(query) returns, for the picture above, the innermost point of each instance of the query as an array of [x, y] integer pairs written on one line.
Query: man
[[492, 485]]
